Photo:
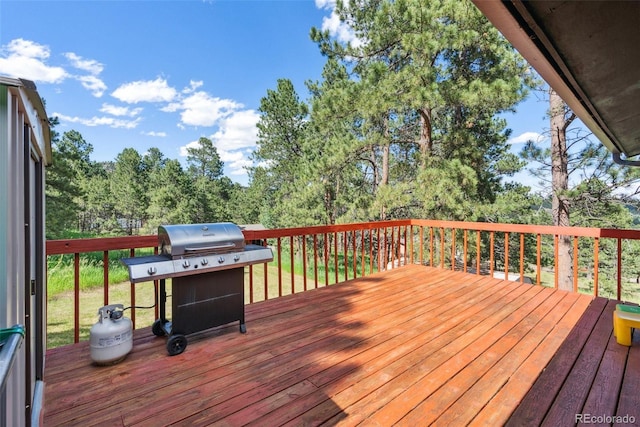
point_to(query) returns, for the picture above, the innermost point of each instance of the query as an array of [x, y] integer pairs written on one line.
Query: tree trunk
[[425, 142], [559, 185], [384, 174]]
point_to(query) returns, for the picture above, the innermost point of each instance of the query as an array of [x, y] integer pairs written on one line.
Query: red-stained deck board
[[414, 345]]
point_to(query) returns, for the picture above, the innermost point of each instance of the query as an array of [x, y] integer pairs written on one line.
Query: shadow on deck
[[411, 346]]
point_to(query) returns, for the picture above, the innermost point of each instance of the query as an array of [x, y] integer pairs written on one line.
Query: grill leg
[[162, 301]]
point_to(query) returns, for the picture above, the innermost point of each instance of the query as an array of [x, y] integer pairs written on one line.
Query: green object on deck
[[4, 333], [628, 308]]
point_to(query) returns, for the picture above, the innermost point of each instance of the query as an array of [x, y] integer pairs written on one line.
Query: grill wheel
[[176, 344]]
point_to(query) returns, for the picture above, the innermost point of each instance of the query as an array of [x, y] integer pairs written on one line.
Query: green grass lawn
[[60, 304]]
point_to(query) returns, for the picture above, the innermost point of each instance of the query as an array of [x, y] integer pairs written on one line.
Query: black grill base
[[207, 300], [200, 302]]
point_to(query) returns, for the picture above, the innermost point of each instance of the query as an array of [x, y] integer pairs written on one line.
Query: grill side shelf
[[146, 268]]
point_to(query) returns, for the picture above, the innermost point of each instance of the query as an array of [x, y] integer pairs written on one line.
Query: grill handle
[[210, 248]]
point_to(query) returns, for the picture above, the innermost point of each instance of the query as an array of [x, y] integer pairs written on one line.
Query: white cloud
[[235, 162], [527, 136], [120, 111], [336, 28], [100, 121], [90, 65], [202, 109], [326, 4], [183, 149], [93, 85], [236, 136], [237, 131], [27, 59], [153, 133], [145, 91], [193, 85]]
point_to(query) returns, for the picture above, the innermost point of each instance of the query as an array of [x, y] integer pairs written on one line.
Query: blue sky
[[164, 73]]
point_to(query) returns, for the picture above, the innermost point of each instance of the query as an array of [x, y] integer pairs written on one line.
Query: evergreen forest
[[405, 123]]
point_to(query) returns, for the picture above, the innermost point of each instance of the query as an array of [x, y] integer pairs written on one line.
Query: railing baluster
[[355, 254], [76, 297], [538, 259], [441, 247], [464, 251], [315, 261], [362, 253], [453, 249], [132, 293], [371, 251], [478, 253], [250, 284], [105, 277], [521, 257], [293, 265], [596, 253], [421, 245], [326, 259], [506, 256], [556, 249], [345, 251], [491, 255], [619, 268], [266, 281], [279, 267], [575, 264], [431, 246], [304, 261], [335, 254]]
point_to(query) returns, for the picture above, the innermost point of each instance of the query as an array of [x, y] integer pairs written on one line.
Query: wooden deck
[[411, 346]]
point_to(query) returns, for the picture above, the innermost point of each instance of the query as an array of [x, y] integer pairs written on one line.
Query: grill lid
[[182, 240]]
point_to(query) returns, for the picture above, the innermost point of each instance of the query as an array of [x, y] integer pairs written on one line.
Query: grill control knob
[[220, 260], [152, 271], [236, 258], [186, 263], [204, 261]]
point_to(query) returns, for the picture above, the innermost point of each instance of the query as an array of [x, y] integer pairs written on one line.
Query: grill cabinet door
[[202, 301]]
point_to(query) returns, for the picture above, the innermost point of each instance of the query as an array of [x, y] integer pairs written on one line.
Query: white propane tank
[[111, 338]]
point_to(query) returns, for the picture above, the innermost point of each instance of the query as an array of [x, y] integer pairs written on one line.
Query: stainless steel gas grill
[[205, 263]]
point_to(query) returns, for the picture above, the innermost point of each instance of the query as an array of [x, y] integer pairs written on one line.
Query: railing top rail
[[95, 244], [70, 246], [531, 229], [321, 229]]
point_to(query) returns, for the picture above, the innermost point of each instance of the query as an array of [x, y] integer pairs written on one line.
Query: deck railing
[[312, 257]]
